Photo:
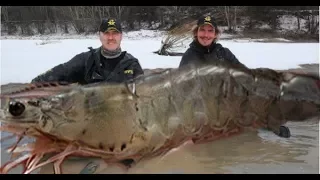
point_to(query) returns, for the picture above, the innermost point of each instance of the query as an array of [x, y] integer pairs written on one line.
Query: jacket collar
[[97, 52], [196, 46]]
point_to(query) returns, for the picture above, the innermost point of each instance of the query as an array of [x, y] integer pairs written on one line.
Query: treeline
[[29, 20]]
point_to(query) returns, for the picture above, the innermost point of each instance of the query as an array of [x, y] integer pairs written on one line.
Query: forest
[[30, 20]]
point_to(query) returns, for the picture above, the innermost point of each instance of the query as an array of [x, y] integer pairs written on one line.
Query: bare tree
[[103, 11], [4, 13], [77, 16], [227, 14], [175, 13], [313, 23], [118, 10], [231, 16]]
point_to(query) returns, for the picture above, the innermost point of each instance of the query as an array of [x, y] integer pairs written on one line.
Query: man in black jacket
[[204, 49], [106, 63]]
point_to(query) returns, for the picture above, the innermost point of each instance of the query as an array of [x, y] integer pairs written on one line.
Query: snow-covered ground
[[23, 59]]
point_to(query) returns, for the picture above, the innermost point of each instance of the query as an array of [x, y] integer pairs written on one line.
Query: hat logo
[[111, 22], [208, 18]]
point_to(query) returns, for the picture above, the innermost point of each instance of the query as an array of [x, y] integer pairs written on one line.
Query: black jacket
[[91, 66], [197, 55]]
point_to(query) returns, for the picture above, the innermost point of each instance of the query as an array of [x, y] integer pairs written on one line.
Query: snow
[[288, 22], [22, 59]]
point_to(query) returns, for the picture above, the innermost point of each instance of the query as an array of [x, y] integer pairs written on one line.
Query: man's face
[[111, 39], [206, 34]]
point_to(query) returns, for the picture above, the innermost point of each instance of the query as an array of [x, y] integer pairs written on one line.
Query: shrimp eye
[[16, 108]]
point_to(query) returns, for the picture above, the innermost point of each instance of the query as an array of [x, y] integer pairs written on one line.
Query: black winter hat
[[110, 24], [206, 20]]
